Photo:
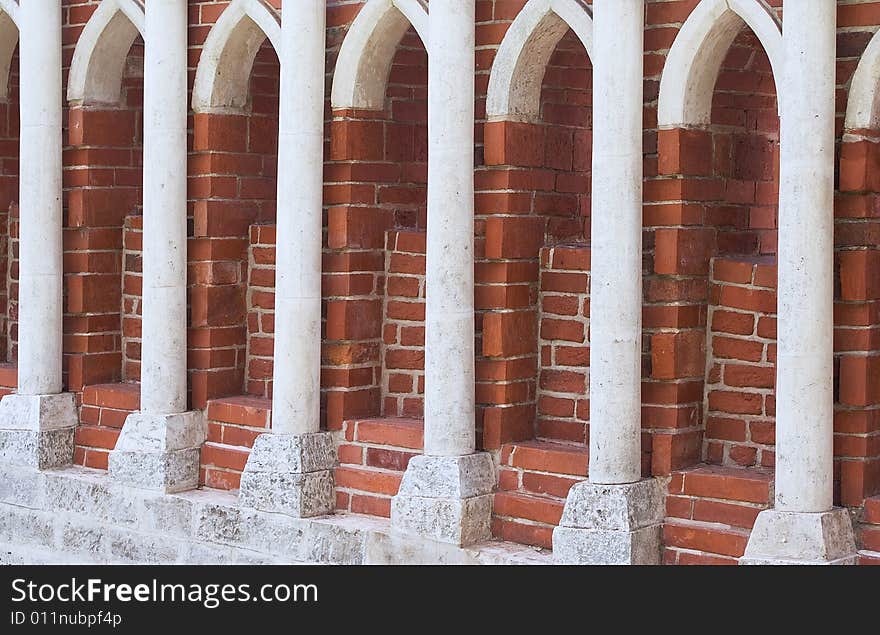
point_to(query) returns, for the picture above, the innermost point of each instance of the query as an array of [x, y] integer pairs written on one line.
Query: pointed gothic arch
[[519, 67], [695, 58]]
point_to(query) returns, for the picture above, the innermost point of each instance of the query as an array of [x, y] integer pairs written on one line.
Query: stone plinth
[[290, 474], [611, 524], [37, 430], [159, 452], [446, 498], [799, 538]]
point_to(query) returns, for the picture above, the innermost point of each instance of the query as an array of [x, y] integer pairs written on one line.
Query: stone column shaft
[[445, 495], [804, 399], [804, 528], [159, 445], [297, 367], [40, 266], [290, 469], [37, 423], [449, 311], [163, 365], [615, 517], [616, 244]]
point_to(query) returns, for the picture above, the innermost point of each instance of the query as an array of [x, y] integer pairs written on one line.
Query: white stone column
[[446, 494], [289, 469], [803, 527], [159, 445], [615, 517], [37, 423]]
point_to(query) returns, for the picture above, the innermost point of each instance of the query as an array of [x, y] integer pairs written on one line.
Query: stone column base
[[37, 430], [801, 538], [290, 474], [446, 498], [611, 524], [159, 452]]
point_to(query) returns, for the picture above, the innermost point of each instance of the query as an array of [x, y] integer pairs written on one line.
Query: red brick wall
[[376, 181], [103, 179], [132, 291], [233, 185], [563, 382], [715, 194], [403, 327], [741, 377], [856, 425], [261, 310], [533, 189], [9, 126], [532, 193]]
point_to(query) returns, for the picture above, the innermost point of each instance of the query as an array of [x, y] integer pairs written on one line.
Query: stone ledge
[[79, 515]]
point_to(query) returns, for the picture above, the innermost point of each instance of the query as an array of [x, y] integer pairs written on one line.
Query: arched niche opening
[[711, 288], [233, 192], [103, 243], [376, 195]]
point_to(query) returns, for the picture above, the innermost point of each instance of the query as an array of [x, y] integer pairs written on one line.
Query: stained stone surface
[[162, 433], [794, 538], [159, 452], [606, 547], [611, 524], [615, 507], [173, 471], [458, 521], [39, 449], [449, 477], [290, 474], [448, 499], [292, 454], [78, 515], [297, 495], [38, 412], [37, 430]]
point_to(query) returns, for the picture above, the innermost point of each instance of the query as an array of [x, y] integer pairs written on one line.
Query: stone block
[[799, 538], [290, 474], [159, 452], [448, 499], [611, 524]]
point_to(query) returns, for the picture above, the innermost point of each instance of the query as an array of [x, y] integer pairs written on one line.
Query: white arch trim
[[222, 77], [366, 55], [99, 58], [8, 42], [521, 61], [696, 56], [863, 108], [10, 8]]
